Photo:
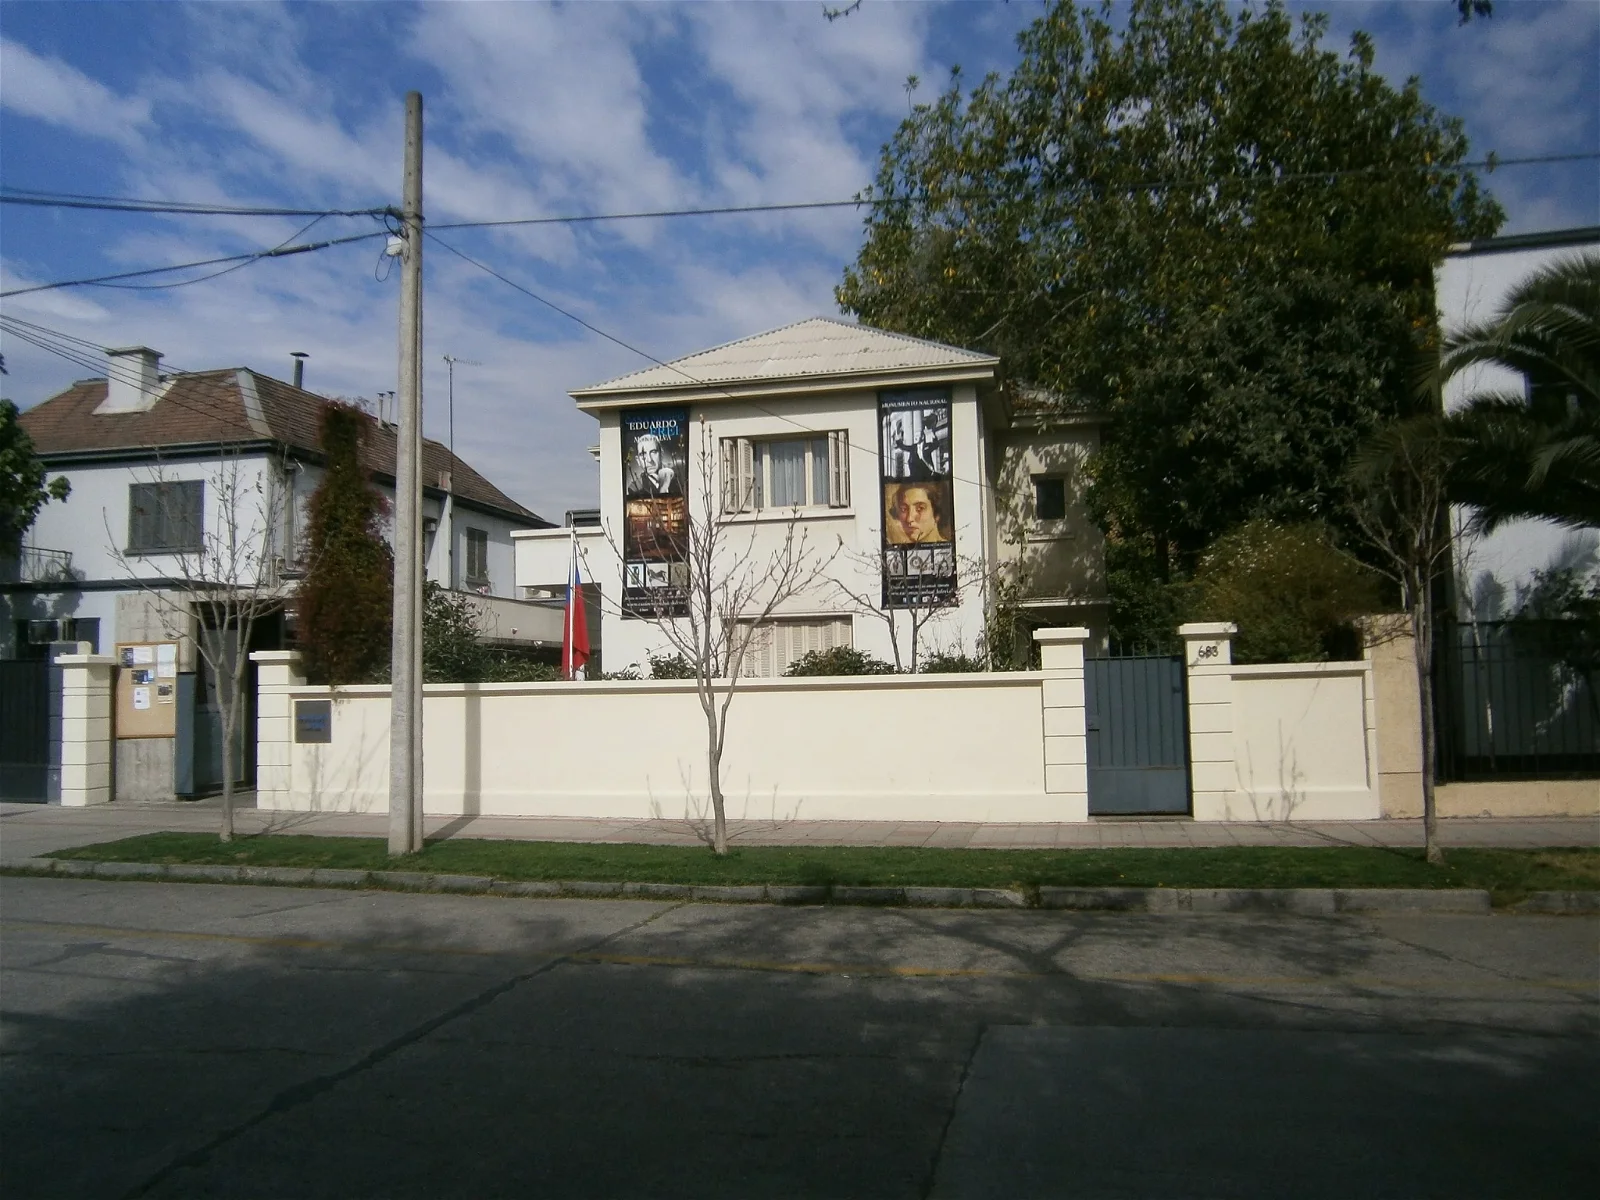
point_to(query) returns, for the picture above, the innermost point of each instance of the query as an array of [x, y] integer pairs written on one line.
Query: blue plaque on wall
[[313, 720]]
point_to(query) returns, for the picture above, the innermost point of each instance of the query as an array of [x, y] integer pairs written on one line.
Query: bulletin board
[[147, 689]]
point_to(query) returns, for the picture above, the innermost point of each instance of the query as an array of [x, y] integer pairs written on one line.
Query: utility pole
[[448, 523], [405, 709]]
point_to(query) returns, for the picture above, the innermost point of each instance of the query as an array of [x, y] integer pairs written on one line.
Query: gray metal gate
[[1137, 715], [30, 730]]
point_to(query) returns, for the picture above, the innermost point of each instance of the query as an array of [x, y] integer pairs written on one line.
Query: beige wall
[[1305, 742], [967, 748]]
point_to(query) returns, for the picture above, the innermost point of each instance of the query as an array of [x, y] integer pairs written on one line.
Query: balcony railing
[[34, 564]]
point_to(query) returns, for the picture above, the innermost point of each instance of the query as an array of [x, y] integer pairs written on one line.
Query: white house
[[1470, 287], [906, 464], [147, 454], [162, 464]]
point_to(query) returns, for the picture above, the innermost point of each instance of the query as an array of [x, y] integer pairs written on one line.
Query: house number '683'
[[1209, 650]]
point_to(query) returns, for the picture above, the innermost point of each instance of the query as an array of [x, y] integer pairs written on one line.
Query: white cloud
[[54, 91]]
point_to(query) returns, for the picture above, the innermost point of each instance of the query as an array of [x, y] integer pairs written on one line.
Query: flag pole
[[572, 599]]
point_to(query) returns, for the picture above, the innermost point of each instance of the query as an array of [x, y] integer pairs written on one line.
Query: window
[[165, 518], [477, 556], [1049, 499], [810, 472], [778, 644]]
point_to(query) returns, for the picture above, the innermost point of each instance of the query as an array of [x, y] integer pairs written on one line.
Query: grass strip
[[1508, 874]]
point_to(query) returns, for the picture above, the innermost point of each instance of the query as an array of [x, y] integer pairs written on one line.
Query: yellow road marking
[[810, 968], [243, 939], [915, 972]]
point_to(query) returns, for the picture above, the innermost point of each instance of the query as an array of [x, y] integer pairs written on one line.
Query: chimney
[[133, 379], [299, 357]]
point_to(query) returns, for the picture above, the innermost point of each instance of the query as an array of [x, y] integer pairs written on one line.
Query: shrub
[[670, 666], [451, 649], [951, 662], [841, 660], [1291, 591]]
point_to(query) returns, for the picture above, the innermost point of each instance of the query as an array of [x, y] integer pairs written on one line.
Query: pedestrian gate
[[30, 730], [1138, 735]]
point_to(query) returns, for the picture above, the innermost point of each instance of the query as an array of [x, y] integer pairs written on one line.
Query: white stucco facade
[[92, 526]]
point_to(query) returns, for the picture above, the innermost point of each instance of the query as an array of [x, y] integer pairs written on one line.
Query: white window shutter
[[839, 469], [747, 475], [730, 481]]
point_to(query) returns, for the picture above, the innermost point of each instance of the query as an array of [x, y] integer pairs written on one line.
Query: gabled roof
[[236, 405], [819, 347]]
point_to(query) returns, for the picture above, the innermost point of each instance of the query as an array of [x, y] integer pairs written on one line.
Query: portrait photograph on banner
[[655, 512], [918, 515]]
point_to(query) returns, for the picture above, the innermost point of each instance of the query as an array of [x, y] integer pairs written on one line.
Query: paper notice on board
[[141, 697], [167, 660], [164, 693], [144, 654]]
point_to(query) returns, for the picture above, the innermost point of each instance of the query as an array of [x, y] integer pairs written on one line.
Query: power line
[[1491, 164], [156, 287], [12, 195], [253, 256], [93, 357], [37, 199]]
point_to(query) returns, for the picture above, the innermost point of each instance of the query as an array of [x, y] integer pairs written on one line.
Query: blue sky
[[536, 109]]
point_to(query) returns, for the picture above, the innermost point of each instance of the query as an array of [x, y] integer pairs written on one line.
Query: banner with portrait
[[655, 512], [919, 530]]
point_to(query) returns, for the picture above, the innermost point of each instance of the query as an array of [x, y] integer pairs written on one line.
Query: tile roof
[[206, 407], [818, 346]]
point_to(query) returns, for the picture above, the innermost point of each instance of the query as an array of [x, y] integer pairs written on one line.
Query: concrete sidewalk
[[31, 830]]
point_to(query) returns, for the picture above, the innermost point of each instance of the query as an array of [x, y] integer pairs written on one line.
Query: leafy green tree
[[23, 488], [1292, 592], [1534, 453], [1214, 230], [345, 602]]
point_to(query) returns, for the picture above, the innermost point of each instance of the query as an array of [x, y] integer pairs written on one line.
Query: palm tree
[[1535, 454]]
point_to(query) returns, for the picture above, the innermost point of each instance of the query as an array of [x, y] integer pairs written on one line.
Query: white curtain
[[788, 467]]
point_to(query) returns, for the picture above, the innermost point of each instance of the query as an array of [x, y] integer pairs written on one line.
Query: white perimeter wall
[[1284, 742], [954, 748], [1267, 743]]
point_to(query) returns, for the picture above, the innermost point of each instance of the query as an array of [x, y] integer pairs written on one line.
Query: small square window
[[1049, 499]]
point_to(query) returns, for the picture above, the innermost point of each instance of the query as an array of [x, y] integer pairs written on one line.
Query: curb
[[1291, 901]]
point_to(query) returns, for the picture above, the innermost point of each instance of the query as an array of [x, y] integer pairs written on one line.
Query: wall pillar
[[1208, 661], [85, 728], [277, 671], [1387, 645], [1066, 758]]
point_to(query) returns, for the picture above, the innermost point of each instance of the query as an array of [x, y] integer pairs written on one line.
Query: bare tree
[[1400, 504], [222, 575], [906, 620], [729, 591]]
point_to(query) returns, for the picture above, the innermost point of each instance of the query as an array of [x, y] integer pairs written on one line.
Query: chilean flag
[[575, 629]]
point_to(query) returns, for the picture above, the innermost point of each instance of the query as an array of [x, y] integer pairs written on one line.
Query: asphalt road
[[186, 1040]]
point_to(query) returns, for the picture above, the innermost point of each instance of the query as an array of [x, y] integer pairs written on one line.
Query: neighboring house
[[934, 482], [1470, 286], [140, 450], [158, 462]]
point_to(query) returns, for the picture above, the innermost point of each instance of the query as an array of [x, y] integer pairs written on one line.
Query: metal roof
[[818, 346]]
